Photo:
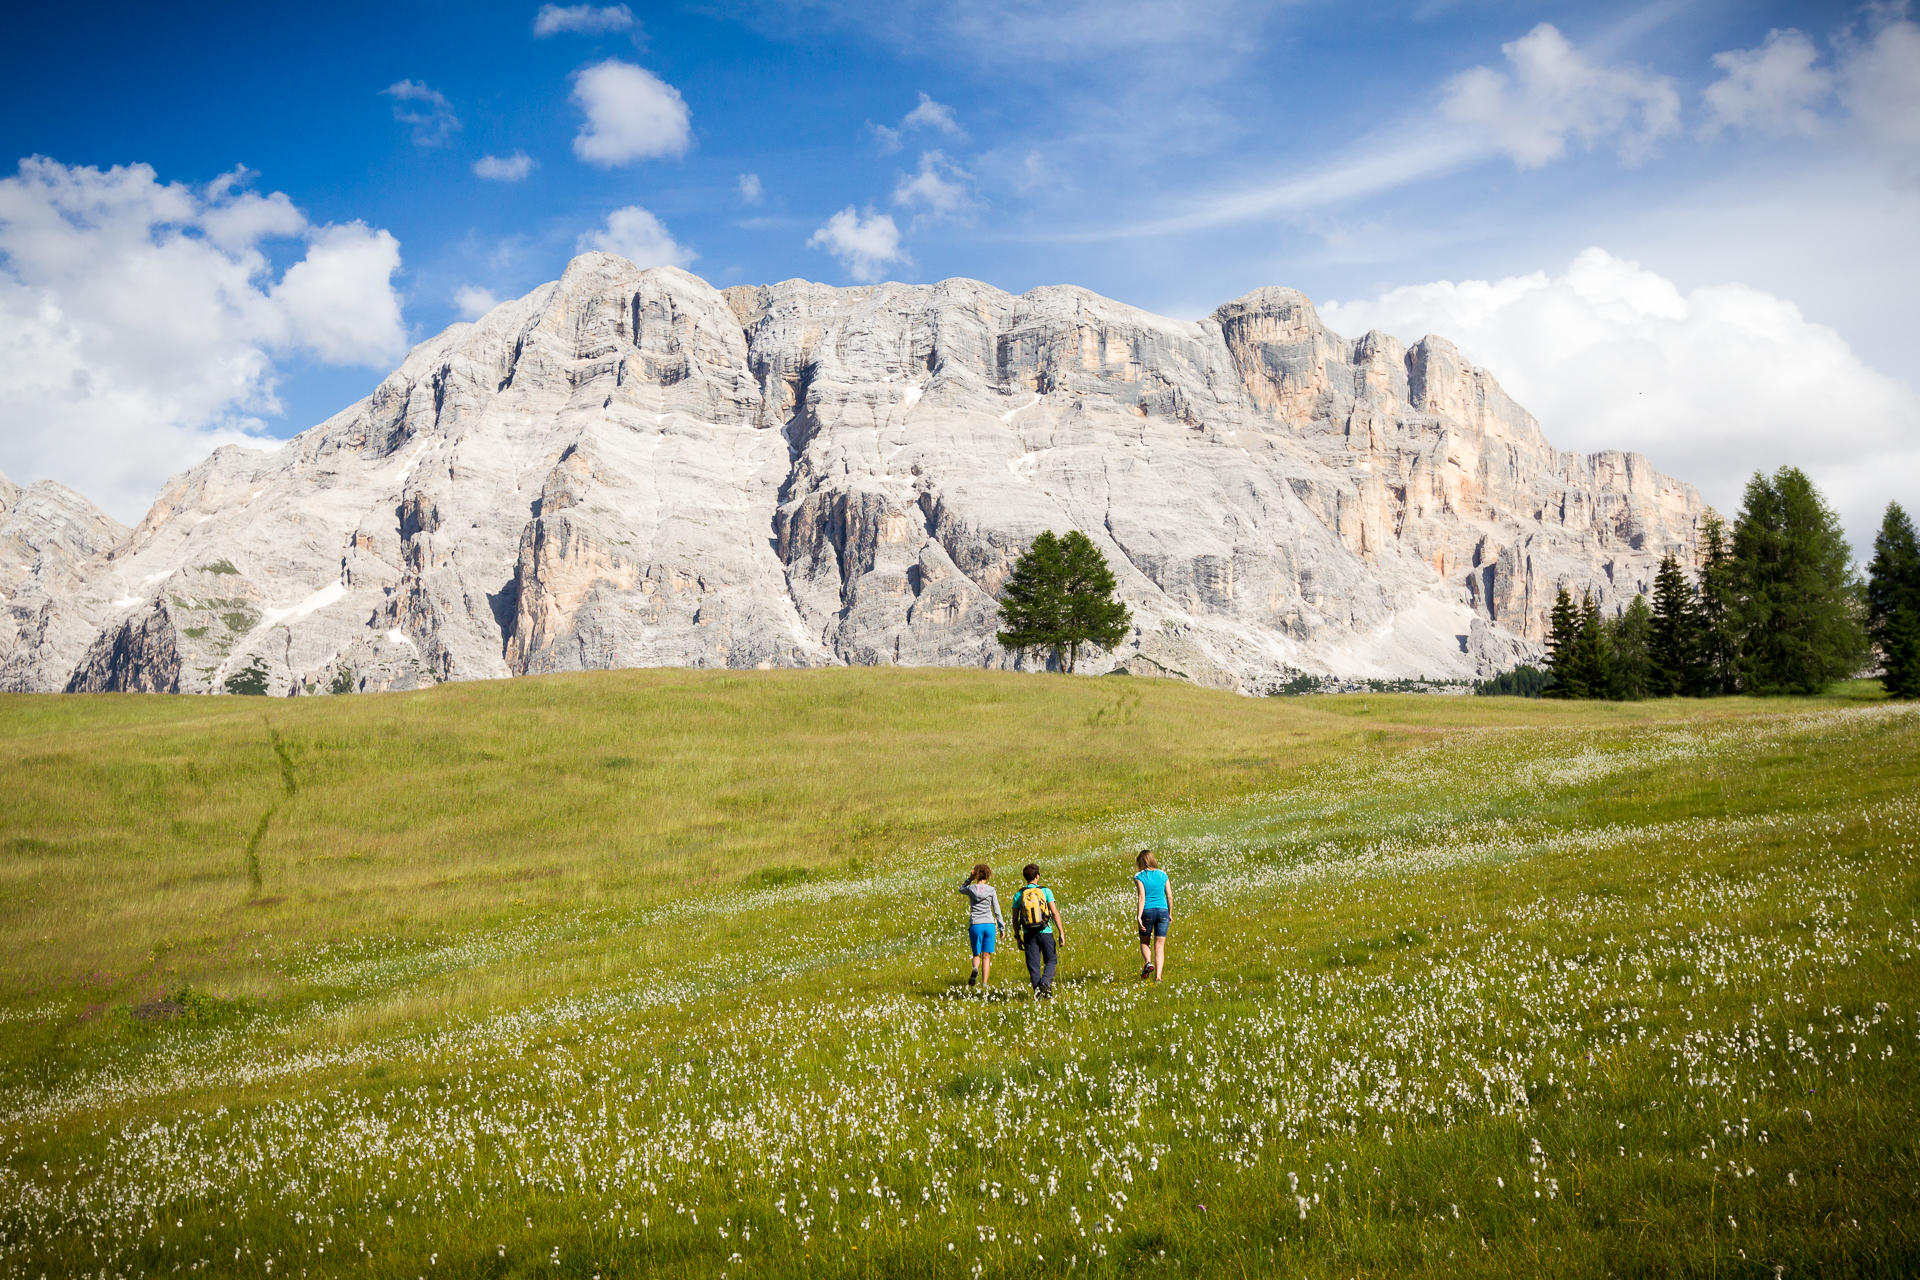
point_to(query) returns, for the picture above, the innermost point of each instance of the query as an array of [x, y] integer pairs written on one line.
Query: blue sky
[[1749, 174]]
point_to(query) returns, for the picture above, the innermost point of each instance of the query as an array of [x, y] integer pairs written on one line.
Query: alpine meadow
[[661, 973]]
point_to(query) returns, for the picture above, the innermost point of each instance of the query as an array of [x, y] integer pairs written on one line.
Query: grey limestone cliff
[[631, 468]]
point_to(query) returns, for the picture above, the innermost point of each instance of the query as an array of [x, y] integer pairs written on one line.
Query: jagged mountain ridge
[[631, 468]]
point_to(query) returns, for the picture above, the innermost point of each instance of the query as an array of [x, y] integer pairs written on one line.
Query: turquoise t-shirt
[[1154, 881]]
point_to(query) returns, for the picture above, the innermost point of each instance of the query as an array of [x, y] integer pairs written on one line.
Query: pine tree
[[1628, 636], [1893, 602], [1060, 598], [1594, 657], [1715, 649], [1673, 640], [1563, 650], [1795, 600]]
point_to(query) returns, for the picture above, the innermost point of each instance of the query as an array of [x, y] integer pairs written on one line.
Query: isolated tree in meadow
[[1715, 648], [1673, 640], [1795, 608], [1628, 639], [1563, 650], [1893, 602], [1059, 598]]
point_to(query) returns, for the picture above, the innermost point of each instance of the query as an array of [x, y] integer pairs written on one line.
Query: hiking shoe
[[973, 979], [1146, 971]]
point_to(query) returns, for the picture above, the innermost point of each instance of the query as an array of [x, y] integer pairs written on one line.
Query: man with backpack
[[1037, 924]]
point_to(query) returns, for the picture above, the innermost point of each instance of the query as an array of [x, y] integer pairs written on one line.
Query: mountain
[[632, 468]]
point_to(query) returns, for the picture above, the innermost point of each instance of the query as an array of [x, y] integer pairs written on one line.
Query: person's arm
[[998, 919], [1059, 925], [1167, 890], [1140, 902]]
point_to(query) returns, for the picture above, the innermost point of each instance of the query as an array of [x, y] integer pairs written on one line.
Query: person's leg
[[1036, 958], [1159, 956], [986, 967], [1050, 948], [1146, 951]]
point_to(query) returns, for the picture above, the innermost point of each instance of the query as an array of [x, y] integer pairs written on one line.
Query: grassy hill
[[662, 973]]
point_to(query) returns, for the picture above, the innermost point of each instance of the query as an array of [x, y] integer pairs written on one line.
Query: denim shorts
[[981, 936], [1154, 922]]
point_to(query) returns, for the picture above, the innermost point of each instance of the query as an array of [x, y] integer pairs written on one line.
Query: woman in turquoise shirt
[[1155, 910]]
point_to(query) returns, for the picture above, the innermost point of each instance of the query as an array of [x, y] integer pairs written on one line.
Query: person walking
[[1039, 930], [1154, 907], [983, 921]]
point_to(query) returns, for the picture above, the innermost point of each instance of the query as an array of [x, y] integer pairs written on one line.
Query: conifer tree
[[1893, 602], [1593, 661], [1060, 598], [1715, 649], [1628, 636], [1563, 650], [1795, 601], [1673, 640]]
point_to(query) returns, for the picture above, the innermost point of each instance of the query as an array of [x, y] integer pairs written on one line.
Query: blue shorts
[[981, 936], [1154, 922]]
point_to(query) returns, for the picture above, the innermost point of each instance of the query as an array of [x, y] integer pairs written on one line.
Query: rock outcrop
[[631, 468]]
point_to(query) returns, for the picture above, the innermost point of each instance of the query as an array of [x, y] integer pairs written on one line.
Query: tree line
[[1776, 607]]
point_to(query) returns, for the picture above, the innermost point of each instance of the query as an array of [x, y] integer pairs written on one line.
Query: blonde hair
[[1145, 860], [981, 871]]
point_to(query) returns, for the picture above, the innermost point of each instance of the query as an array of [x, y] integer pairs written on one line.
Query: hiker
[[1039, 930], [1155, 910], [983, 921]]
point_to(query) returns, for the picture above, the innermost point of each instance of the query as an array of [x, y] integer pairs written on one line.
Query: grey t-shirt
[[983, 904]]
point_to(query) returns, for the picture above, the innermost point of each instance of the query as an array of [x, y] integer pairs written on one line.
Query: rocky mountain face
[[631, 468]]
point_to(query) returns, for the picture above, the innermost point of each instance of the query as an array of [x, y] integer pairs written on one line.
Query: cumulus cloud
[[751, 192], [427, 110], [473, 302], [937, 116], [1880, 85], [864, 245], [639, 237], [938, 190], [1775, 88], [1555, 93], [582, 19], [631, 113], [140, 321], [505, 168], [1710, 384]]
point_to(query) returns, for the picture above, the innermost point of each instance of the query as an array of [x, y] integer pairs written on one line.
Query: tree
[[1563, 650], [1715, 649], [1795, 606], [1593, 656], [1628, 639], [1893, 602], [1059, 598], [1524, 681], [1673, 640]]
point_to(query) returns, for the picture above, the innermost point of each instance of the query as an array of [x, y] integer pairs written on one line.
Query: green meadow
[[663, 973]]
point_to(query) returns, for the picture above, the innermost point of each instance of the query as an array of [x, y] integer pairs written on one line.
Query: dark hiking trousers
[[1042, 956]]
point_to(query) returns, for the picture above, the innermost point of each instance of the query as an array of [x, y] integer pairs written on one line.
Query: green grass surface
[[662, 973]]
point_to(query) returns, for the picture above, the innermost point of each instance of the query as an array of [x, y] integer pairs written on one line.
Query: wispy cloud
[[937, 190], [639, 237], [582, 19], [427, 110], [865, 246], [751, 191], [473, 302], [511, 168]]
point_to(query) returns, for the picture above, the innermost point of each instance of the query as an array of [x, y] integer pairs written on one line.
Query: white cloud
[[1556, 93], [937, 116], [933, 115], [639, 237], [427, 110], [1880, 85], [864, 246], [140, 321], [505, 168], [1710, 385], [581, 19], [1774, 88], [939, 188], [473, 301], [632, 114], [751, 192]]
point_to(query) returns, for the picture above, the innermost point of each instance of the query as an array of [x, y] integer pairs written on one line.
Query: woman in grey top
[[983, 921]]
